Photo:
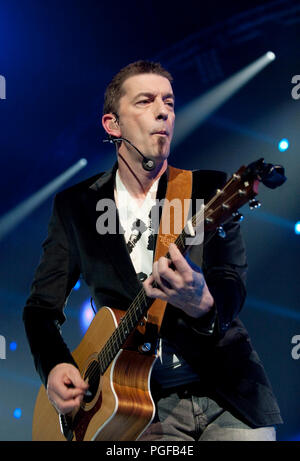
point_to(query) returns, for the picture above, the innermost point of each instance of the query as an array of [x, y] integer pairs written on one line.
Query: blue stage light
[[13, 346], [17, 413], [77, 285], [297, 228], [283, 145], [86, 316]]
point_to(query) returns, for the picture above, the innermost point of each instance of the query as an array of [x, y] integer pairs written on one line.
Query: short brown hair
[[115, 90]]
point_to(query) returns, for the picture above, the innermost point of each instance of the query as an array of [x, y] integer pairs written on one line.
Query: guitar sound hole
[[92, 376]]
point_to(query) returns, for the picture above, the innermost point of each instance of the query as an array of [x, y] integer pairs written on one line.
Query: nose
[[161, 111]]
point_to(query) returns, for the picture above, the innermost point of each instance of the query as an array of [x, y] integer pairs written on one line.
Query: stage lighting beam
[[10, 220], [197, 111]]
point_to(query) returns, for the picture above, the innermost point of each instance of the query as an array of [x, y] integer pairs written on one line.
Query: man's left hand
[[182, 286]]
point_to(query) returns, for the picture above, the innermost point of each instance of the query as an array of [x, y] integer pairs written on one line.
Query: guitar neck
[[128, 323]]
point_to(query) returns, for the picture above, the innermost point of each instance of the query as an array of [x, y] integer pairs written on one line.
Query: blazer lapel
[[114, 243]]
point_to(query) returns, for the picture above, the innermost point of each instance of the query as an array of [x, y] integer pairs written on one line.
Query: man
[[208, 383]]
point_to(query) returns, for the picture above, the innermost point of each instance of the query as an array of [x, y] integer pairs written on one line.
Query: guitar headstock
[[241, 188]]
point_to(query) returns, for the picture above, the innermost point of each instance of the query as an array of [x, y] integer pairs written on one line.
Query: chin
[[161, 157]]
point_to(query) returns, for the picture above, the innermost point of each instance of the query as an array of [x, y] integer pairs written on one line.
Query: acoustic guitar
[[112, 357]]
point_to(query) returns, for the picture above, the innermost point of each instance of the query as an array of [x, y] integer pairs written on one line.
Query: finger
[[77, 380], [156, 273], [66, 394], [65, 407], [147, 284], [180, 263], [66, 389], [165, 277], [157, 293], [169, 278], [62, 394], [153, 292]]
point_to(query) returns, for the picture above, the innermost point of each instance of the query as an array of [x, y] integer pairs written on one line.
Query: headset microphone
[[147, 163]]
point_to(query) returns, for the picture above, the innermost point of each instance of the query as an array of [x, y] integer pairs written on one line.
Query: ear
[[111, 125]]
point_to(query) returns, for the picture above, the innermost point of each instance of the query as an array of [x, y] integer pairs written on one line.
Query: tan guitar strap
[[173, 219]]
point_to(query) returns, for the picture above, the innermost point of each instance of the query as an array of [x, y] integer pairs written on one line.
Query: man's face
[[146, 114]]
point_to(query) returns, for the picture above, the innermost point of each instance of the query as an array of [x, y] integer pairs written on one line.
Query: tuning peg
[[221, 232], [254, 204], [237, 216]]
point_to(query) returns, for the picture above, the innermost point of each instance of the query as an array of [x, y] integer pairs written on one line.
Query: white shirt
[[136, 223]]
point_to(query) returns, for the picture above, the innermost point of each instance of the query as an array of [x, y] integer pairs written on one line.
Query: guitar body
[[120, 407]]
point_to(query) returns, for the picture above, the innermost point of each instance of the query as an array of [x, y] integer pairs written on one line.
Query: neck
[[137, 180]]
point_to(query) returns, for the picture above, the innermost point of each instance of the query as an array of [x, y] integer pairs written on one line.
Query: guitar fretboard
[[129, 322]]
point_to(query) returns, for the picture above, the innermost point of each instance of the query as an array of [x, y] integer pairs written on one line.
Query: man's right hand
[[65, 388]]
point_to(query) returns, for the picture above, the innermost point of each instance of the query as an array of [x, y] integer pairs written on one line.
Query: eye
[[170, 103], [144, 101]]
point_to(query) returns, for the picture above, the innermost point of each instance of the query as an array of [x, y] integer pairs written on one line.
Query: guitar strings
[[112, 346]]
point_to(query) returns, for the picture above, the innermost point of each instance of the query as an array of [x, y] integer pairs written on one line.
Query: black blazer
[[227, 364]]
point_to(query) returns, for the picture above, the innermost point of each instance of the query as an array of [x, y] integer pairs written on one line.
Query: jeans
[[184, 416]]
